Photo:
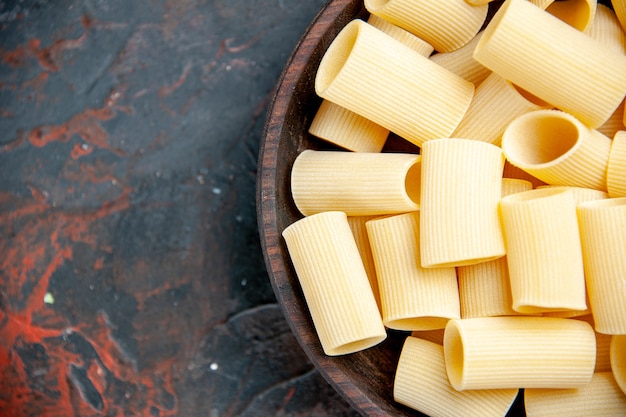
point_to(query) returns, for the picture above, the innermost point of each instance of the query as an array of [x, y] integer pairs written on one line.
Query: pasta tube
[[422, 384], [347, 129], [554, 61], [484, 288], [557, 148], [359, 184], [519, 352], [580, 195], [602, 226], [462, 62], [412, 297], [445, 24], [618, 360], [461, 187], [616, 169], [601, 397], [334, 282], [496, 103], [543, 250], [374, 75]]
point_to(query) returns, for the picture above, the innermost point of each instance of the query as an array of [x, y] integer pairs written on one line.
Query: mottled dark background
[[131, 277]]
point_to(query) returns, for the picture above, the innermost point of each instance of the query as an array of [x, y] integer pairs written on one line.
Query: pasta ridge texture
[[445, 24], [519, 352], [337, 290]]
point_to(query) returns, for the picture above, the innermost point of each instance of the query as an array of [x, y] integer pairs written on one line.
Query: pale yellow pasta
[[620, 11], [484, 288], [435, 336], [359, 184], [616, 169], [478, 2], [418, 45], [421, 383], [334, 283], [618, 360], [412, 297], [357, 225], [347, 129], [543, 251], [580, 195], [607, 29], [462, 62], [519, 352], [555, 147], [603, 247], [445, 24], [577, 13], [496, 103], [378, 77], [554, 61], [601, 397], [460, 189]]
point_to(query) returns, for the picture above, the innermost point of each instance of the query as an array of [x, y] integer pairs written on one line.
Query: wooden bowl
[[364, 379]]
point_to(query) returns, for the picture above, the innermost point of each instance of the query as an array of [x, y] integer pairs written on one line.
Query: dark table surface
[[131, 276]]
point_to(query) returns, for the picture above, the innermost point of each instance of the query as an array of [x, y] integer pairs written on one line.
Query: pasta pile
[[501, 245]]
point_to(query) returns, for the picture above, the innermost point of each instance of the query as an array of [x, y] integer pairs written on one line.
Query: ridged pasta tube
[[543, 250], [357, 183], [519, 352], [334, 283], [461, 188], [554, 61], [602, 233], [412, 297], [557, 148], [380, 78], [445, 24]]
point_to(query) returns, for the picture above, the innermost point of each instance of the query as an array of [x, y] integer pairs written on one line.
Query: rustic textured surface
[[131, 277]]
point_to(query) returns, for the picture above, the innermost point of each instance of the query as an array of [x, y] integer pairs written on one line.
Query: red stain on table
[[87, 125]]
